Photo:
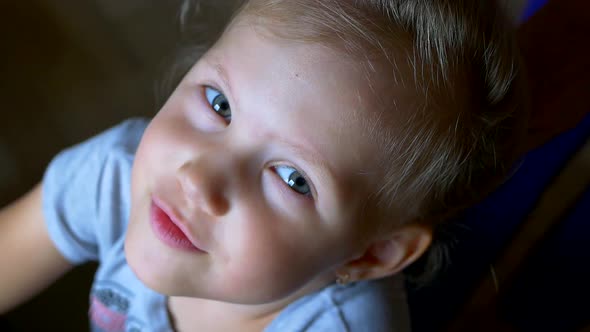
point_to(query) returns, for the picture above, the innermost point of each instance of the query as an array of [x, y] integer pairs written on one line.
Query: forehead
[[305, 93]]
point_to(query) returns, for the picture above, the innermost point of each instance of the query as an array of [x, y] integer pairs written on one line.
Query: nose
[[203, 183]]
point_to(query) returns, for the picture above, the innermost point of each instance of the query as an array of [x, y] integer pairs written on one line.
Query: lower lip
[[167, 232]]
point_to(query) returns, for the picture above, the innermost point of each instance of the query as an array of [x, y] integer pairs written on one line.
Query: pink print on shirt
[[105, 318], [108, 310]]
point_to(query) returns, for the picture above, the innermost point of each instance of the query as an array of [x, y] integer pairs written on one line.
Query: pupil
[[220, 104], [300, 181]]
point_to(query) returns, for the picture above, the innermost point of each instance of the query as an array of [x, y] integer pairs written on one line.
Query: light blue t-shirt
[[86, 202]]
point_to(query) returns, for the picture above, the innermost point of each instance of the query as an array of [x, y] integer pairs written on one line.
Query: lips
[[168, 231]]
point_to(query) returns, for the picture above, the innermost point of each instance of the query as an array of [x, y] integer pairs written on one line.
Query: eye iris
[[221, 106], [293, 179], [298, 183]]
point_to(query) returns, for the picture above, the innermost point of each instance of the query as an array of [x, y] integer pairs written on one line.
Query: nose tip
[[203, 188]]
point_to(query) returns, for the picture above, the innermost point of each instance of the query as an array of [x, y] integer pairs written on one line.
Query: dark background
[[69, 70]]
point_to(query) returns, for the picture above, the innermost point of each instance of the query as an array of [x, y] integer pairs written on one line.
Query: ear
[[389, 254]]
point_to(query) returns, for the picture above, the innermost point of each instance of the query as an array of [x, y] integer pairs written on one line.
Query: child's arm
[[28, 259]]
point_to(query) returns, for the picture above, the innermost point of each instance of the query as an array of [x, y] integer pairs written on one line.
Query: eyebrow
[[222, 73], [325, 173]]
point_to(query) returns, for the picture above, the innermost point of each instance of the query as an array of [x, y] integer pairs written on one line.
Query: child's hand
[[28, 259]]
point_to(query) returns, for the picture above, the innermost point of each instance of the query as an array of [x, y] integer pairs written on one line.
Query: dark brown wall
[[70, 69]]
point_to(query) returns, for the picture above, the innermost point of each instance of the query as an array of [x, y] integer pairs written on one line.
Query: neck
[[189, 314]]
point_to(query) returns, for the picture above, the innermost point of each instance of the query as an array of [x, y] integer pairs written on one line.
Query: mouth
[[169, 230]]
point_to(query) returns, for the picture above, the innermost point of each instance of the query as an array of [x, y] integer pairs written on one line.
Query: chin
[[149, 277], [146, 264], [142, 266]]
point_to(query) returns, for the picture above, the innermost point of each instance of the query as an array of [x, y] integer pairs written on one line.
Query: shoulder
[[86, 161], [127, 134], [121, 139], [86, 189], [364, 306]]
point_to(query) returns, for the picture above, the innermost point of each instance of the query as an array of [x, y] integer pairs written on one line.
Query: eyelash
[[284, 186], [208, 103], [289, 193], [312, 193]]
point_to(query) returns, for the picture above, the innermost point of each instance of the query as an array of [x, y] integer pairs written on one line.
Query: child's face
[[261, 154]]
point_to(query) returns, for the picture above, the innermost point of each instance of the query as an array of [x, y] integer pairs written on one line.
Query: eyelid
[[313, 193], [213, 115], [209, 88], [205, 87]]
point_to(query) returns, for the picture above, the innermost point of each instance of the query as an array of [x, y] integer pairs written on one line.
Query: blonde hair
[[452, 148], [458, 140]]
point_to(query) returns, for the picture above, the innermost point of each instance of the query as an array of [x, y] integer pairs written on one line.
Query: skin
[[264, 244], [39, 262]]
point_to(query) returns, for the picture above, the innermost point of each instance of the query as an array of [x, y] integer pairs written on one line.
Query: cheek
[[157, 144], [137, 254], [144, 155], [270, 271], [272, 258]]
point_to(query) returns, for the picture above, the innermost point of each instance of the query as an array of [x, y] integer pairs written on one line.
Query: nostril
[[218, 205]]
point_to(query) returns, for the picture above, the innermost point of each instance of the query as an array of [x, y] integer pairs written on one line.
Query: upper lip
[[179, 222]]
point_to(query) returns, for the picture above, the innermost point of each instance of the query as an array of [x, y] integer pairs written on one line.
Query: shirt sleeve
[[81, 188]]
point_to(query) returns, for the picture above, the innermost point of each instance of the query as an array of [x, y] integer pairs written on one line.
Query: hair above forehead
[[440, 35], [357, 27], [453, 143], [457, 139]]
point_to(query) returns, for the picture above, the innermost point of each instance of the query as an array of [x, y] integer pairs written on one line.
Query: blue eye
[[293, 179], [218, 103]]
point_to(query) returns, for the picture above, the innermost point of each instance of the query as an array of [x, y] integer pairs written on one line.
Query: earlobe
[[388, 256]]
